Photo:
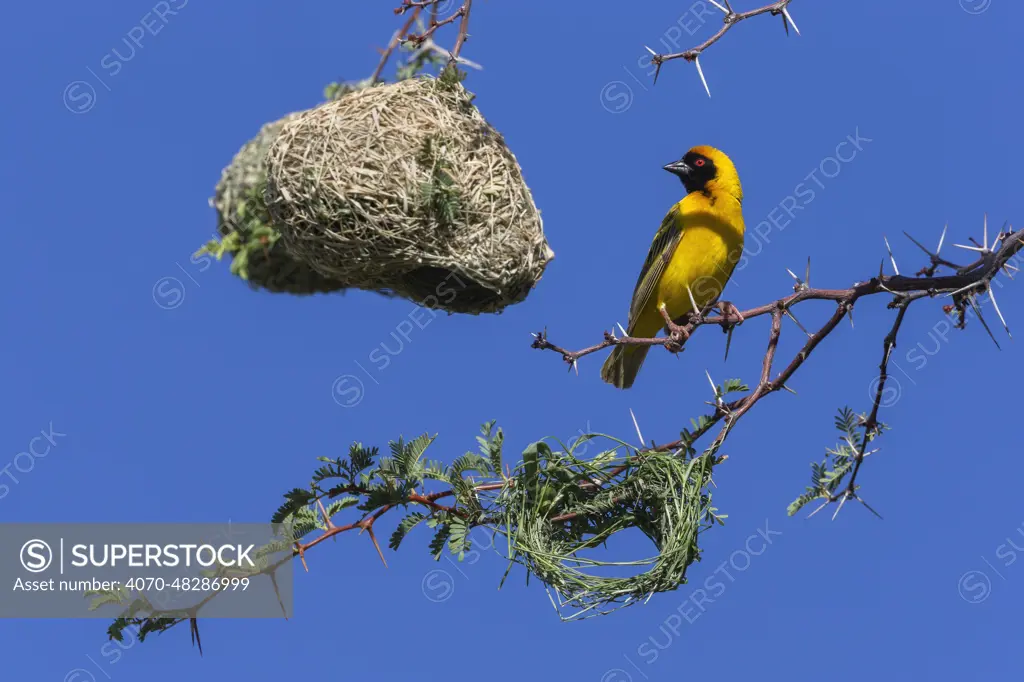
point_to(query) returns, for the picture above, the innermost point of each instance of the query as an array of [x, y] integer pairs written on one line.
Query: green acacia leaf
[[404, 526], [295, 499], [336, 506], [439, 540]]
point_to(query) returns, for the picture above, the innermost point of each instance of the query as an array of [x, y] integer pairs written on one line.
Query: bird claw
[[729, 310], [677, 334]]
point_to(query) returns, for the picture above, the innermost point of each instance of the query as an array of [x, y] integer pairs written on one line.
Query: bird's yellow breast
[[710, 247]]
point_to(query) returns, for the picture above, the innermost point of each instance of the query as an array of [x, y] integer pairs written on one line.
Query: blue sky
[[210, 410]]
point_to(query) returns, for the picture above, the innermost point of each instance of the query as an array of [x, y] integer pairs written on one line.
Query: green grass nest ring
[[405, 187], [246, 230], [559, 507]]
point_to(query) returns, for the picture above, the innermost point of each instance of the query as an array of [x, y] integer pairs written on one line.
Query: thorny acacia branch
[[731, 18], [461, 13], [393, 43], [963, 285], [425, 39]]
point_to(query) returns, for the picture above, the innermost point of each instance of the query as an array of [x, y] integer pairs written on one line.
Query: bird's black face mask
[[695, 171]]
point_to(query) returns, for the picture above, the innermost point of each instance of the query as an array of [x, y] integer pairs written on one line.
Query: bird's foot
[[731, 315], [677, 334]]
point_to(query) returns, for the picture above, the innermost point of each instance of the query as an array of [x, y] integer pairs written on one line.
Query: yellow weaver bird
[[695, 250]]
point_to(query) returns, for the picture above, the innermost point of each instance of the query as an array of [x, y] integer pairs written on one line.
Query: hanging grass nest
[[247, 232], [405, 187], [558, 508]]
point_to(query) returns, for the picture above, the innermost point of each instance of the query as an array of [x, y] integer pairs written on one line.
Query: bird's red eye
[[698, 163]]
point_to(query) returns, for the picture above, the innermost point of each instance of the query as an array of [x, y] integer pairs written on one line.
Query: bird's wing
[[664, 245]]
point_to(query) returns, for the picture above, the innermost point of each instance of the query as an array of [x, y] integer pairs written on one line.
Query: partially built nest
[[558, 508], [247, 231], [405, 187]]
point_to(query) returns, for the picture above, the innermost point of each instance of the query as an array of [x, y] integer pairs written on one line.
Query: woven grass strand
[[664, 495], [238, 199], [406, 187]]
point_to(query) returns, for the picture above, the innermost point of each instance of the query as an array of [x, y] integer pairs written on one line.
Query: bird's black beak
[[680, 168]]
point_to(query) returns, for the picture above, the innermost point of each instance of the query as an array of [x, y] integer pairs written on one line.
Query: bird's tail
[[622, 366]]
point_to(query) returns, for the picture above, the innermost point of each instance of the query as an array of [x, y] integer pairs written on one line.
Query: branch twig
[[461, 13], [731, 18], [397, 38]]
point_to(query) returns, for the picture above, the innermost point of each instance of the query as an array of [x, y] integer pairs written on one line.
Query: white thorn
[[791, 274], [696, 60], [651, 51], [823, 505], [576, 367], [942, 239], [970, 248], [718, 6], [714, 389], [802, 328], [624, 332], [431, 46], [693, 301], [887, 248], [984, 233], [840, 507], [807, 273], [785, 13], [996, 239], [992, 295], [639, 435]]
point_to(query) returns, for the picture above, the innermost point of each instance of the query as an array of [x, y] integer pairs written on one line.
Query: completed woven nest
[[405, 187]]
